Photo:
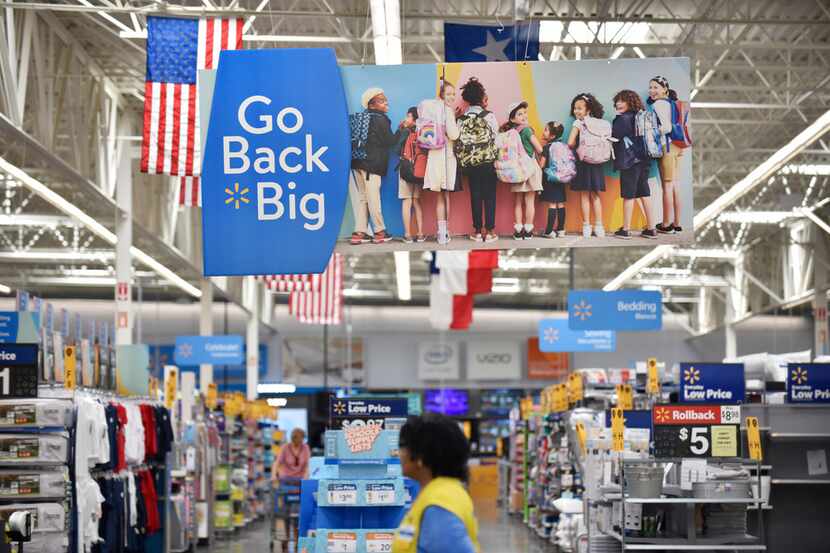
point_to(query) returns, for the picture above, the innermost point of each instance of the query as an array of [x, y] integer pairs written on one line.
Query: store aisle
[[500, 533]]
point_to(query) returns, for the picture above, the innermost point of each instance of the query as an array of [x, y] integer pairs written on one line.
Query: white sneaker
[[443, 238], [599, 230], [586, 230]]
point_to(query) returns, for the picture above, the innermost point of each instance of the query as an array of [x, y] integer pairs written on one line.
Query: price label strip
[[342, 542], [617, 429], [170, 387], [575, 389], [380, 494], [696, 431], [70, 364], [342, 494], [211, 397], [753, 438], [653, 382], [379, 542], [625, 396], [560, 398], [581, 436]]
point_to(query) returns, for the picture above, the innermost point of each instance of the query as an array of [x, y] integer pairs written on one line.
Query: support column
[[123, 259], [206, 329], [252, 304], [731, 350], [821, 282]]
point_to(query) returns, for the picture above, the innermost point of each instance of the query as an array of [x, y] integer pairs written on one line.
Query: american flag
[[292, 283], [325, 305], [190, 195], [176, 49]]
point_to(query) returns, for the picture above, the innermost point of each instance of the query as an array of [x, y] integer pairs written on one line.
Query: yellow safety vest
[[447, 493]]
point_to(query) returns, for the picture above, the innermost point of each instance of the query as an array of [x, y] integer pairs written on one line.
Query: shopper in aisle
[[292, 462], [434, 451]]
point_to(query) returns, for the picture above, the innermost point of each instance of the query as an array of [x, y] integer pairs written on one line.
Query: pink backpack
[[595, 141], [513, 164], [561, 163], [429, 127]]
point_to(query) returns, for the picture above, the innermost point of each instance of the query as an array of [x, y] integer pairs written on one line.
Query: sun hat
[[514, 107], [369, 94]]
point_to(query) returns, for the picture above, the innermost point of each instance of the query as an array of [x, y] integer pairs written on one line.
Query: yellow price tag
[[561, 397], [580, 434], [170, 388], [753, 438], [153, 387], [625, 396], [69, 367], [212, 396], [575, 387], [653, 383], [617, 429]]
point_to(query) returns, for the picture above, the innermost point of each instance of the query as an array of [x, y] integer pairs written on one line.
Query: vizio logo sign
[[276, 170], [494, 358]]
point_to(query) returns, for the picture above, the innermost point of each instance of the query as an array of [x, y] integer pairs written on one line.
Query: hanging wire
[[498, 20], [529, 29], [365, 28]]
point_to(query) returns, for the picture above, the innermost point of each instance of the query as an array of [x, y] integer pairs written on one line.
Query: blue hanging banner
[[9, 321], [209, 350], [556, 336], [634, 418], [808, 383], [276, 163], [712, 383], [471, 42], [622, 310]]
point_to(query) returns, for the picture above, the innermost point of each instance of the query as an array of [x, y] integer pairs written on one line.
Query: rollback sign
[[276, 160]]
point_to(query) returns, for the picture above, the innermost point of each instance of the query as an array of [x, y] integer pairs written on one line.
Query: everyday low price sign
[[555, 335], [628, 310], [345, 412], [18, 371], [696, 430], [808, 383], [712, 383], [209, 350]]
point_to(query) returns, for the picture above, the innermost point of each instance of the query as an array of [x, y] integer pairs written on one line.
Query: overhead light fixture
[[5, 289], [704, 253], [275, 388], [736, 105], [93, 225], [386, 29], [639, 52], [760, 174], [809, 169], [756, 217], [617, 52], [277, 402], [56, 256], [402, 276]]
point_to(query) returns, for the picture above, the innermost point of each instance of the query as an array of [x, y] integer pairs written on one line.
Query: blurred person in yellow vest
[[434, 452]]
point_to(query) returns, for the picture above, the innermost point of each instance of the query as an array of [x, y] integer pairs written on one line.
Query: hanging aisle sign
[[712, 383], [209, 350], [808, 383], [555, 335], [696, 430], [276, 163], [629, 310]]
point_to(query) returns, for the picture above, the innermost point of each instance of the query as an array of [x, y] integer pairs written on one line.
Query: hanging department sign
[[276, 160], [209, 350], [555, 335], [627, 310], [345, 412], [808, 383], [696, 430], [712, 383]]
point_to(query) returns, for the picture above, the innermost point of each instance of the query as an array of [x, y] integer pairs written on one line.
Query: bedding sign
[[276, 169]]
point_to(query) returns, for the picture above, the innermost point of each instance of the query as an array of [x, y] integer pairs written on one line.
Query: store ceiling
[[761, 68]]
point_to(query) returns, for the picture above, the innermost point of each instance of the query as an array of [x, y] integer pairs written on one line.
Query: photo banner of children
[[518, 154]]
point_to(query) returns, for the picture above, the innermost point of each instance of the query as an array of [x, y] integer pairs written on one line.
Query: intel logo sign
[[438, 355]]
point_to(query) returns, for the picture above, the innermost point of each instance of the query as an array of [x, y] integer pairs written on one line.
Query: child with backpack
[[517, 165], [591, 136], [411, 172], [559, 166], [372, 138], [476, 152], [632, 161], [437, 130], [663, 100]]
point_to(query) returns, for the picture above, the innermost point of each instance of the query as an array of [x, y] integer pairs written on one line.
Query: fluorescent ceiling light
[[667, 271], [56, 256], [736, 105], [807, 169], [5, 289], [756, 217], [275, 388], [402, 276], [617, 52], [519, 263], [705, 253], [93, 225], [609, 32], [277, 402], [639, 52], [702, 280], [760, 174], [386, 29]]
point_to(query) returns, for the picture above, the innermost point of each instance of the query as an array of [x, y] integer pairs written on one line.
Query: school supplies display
[[513, 165]]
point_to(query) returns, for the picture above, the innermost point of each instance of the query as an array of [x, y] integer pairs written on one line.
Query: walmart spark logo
[[582, 310], [691, 375], [236, 195], [551, 335], [339, 408], [799, 376], [661, 415]]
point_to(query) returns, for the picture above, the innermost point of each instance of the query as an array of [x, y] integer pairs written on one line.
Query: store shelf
[[722, 543], [800, 435], [799, 481], [693, 500]]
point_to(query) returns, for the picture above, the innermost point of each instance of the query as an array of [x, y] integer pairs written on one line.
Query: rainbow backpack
[[431, 134], [513, 164]]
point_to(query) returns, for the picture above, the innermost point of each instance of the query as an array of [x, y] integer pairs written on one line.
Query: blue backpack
[[561, 163], [647, 127], [359, 132]]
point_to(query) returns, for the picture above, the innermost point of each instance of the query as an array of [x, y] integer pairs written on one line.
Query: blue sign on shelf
[[210, 350], [712, 383], [630, 310], [635, 418], [8, 326], [276, 163], [555, 335], [808, 383], [368, 408]]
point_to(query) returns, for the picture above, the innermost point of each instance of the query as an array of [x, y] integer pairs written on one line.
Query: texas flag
[[456, 277]]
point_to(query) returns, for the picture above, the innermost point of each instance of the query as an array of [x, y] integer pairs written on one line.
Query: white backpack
[[595, 141]]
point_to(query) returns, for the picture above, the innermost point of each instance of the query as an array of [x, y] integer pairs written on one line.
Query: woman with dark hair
[[434, 451], [476, 152], [660, 98]]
